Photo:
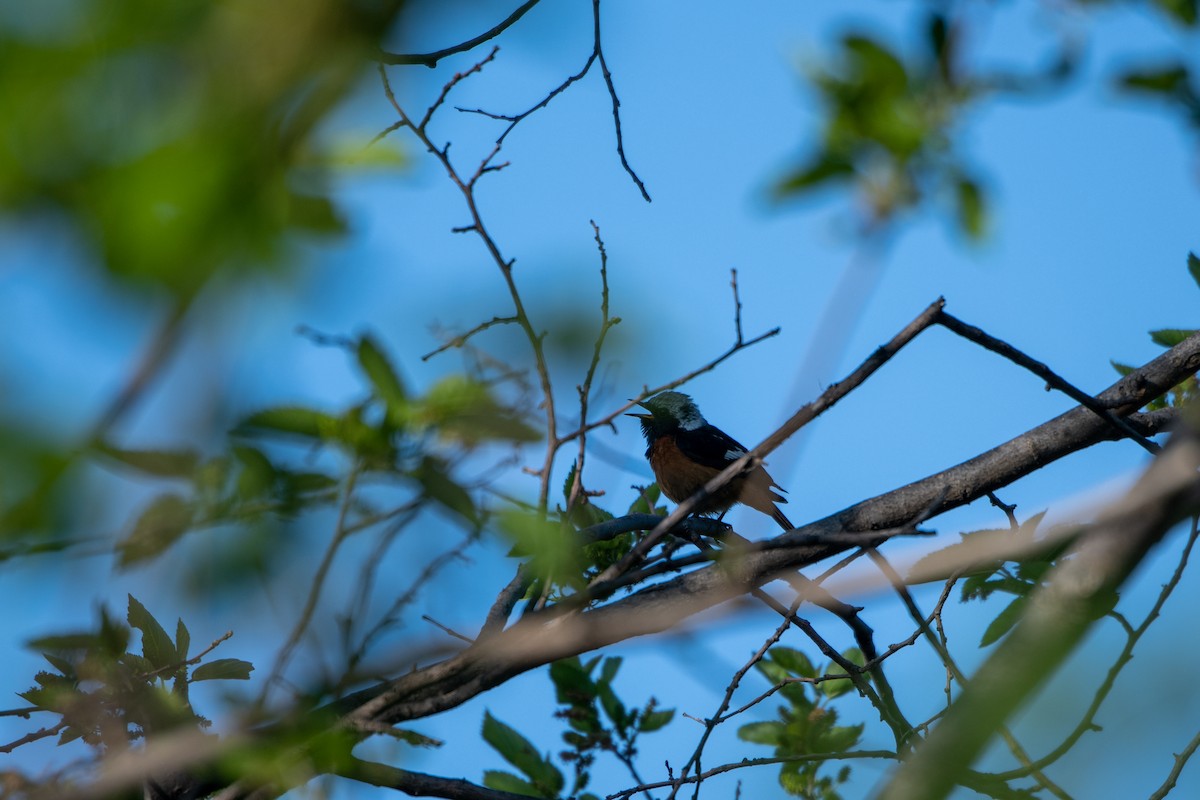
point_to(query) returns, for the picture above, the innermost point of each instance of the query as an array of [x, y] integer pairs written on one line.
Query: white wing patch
[[734, 454]]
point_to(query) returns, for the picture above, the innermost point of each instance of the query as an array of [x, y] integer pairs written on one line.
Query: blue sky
[[1095, 198]]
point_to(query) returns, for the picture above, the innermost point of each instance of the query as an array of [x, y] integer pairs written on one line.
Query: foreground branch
[[1058, 615]]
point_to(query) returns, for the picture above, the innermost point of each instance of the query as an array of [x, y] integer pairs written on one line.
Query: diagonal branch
[[541, 638]]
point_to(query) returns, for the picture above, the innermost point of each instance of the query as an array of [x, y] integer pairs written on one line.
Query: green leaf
[[826, 168], [551, 551], [1181, 11], [655, 720], [1169, 337], [794, 661], [61, 664], [646, 500], [839, 739], [223, 669], [464, 409], [435, 480], [507, 782], [157, 647], [1122, 369], [1194, 267], [1004, 621], [1161, 80], [972, 208], [382, 375], [571, 682], [835, 688], [614, 709], [161, 463], [257, 476], [610, 668], [160, 525], [183, 639], [769, 733], [518, 751], [290, 420]]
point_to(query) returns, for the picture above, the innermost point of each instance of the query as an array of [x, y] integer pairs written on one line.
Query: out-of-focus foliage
[[597, 720], [807, 725], [178, 137]]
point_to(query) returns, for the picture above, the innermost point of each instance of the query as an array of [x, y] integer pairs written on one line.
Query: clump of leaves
[[100, 690], [598, 721], [807, 725]]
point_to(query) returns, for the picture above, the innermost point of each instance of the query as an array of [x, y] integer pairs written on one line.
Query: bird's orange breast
[[679, 477]]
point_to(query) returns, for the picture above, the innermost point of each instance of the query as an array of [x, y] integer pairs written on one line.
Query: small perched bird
[[686, 452]]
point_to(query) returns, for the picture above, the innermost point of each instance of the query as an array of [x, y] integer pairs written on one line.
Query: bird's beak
[[641, 416]]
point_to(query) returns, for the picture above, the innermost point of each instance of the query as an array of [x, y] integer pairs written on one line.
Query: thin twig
[[340, 535], [461, 339], [971, 333], [616, 104], [431, 59]]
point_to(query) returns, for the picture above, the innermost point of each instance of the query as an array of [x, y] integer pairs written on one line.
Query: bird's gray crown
[[677, 406]]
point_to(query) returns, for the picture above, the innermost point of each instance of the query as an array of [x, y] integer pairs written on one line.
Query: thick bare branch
[[540, 639]]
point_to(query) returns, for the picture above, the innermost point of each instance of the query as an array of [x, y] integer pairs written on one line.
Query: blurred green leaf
[[1194, 267], [162, 463], [464, 409], [794, 661], [507, 782], [1163, 80], [972, 211], [1004, 621], [383, 377], [193, 162], [550, 550], [571, 682], [293, 420], [436, 482], [768, 733], [655, 720], [518, 751], [1181, 11], [223, 669], [157, 646], [183, 639], [160, 525], [1169, 337]]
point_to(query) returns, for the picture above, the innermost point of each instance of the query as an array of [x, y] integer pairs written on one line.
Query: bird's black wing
[[710, 446]]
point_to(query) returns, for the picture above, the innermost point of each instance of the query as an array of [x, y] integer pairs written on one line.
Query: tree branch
[[541, 638], [431, 59]]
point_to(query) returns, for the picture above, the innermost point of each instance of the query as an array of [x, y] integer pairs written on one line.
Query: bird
[[686, 451]]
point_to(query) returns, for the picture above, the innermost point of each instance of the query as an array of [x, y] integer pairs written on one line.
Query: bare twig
[[1181, 760], [340, 534], [971, 333], [431, 59], [461, 339]]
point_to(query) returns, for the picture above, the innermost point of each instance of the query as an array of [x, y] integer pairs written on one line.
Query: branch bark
[[545, 637]]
